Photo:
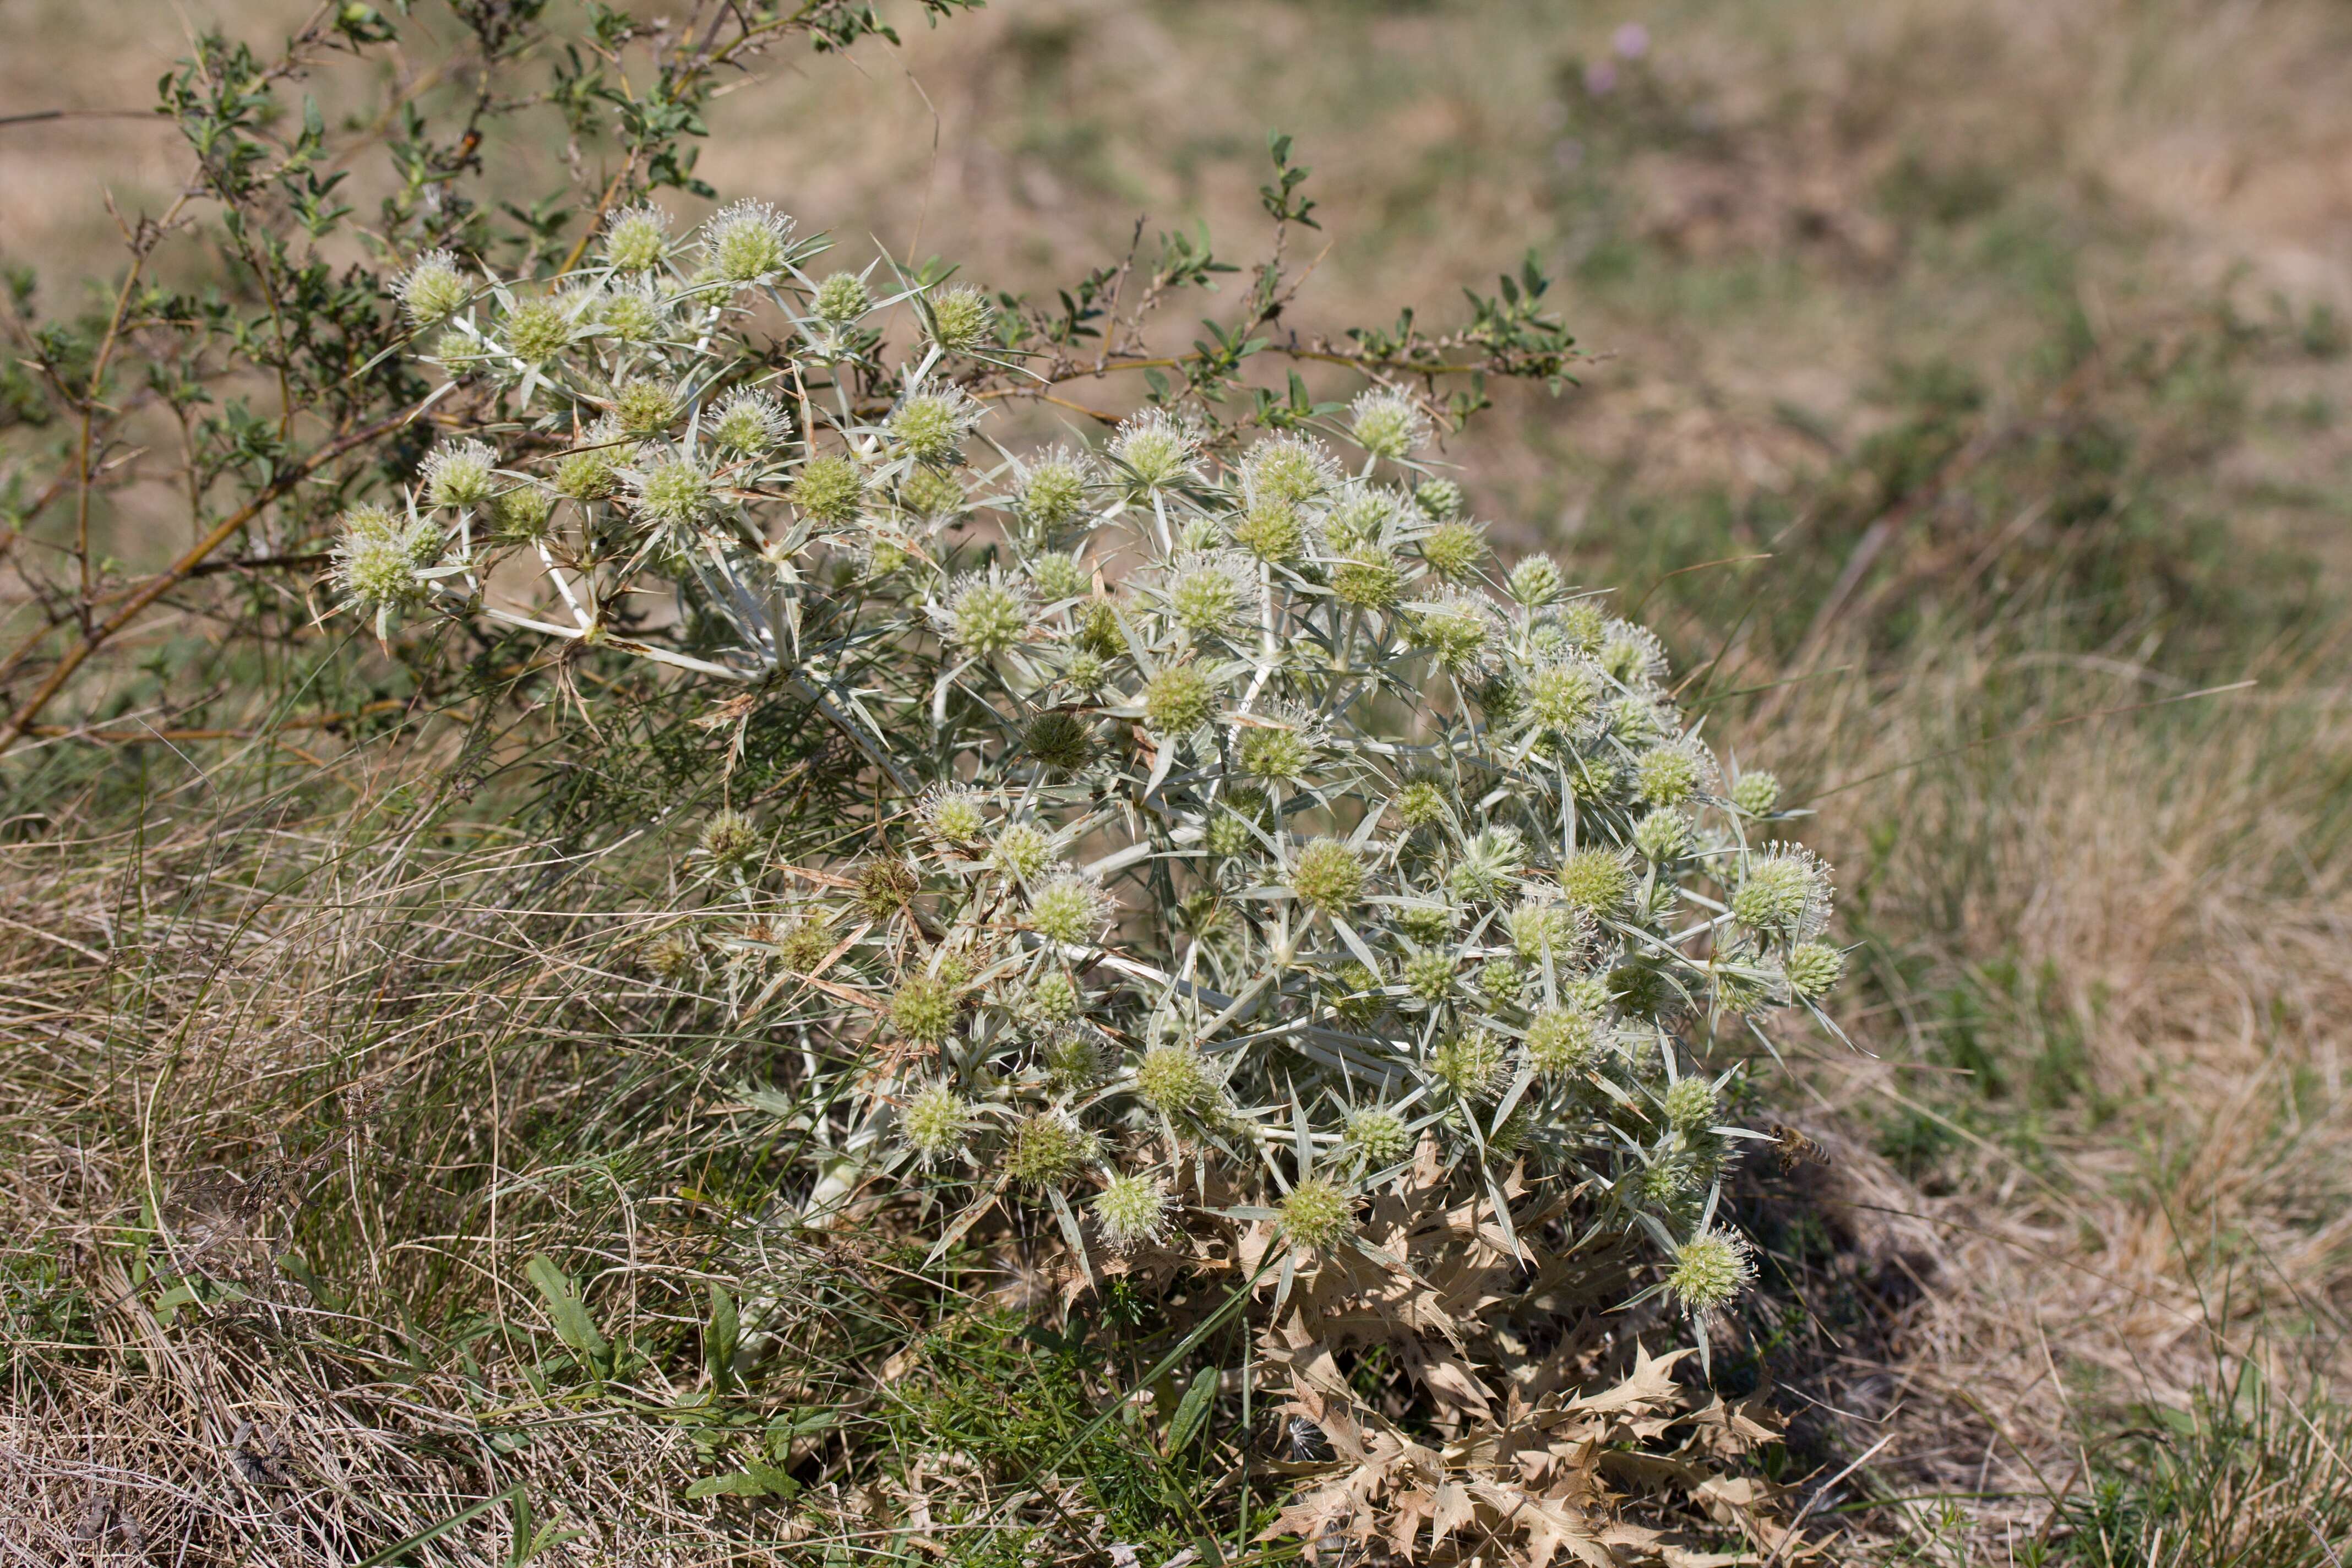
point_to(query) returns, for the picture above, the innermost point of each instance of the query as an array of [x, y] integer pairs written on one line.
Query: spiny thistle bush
[[1235, 810], [1248, 853]]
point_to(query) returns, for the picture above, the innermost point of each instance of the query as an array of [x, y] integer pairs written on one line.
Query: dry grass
[[341, 1072], [2145, 915]]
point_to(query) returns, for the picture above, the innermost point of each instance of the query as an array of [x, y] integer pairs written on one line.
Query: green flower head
[[842, 298], [748, 242], [537, 331], [1289, 468], [931, 424], [677, 492], [1132, 1210], [1052, 492], [1814, 969], [1155, 450], [936, 1123], [830, 489], [962, 320], [1386, 424], [1454, 550], [1070, 909], [432, 287], [1379, 1135], [1177, 1080], [460, 475], [923, 1009], [1329, 876], [750, 422], [636, 239], [1710, 1271], [1048, 1149], [987, 614], [1317, 1215], [1754, 794], [1178, 700]]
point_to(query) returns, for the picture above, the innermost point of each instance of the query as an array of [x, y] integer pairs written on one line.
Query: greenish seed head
[[923, 1009], [729, 838], [1059, 577], [676, 492], [962, 320], [1052, 495], [1596, 879], [460, 475], [1756, 794], [1536, 582], [1690, 1106], [747, 242], [1430, 975], [1563, 1041], [1440, 501], [1663, 836], [1472, 1063], [636, 239], [1368, 581], [937, 1123], [1710, 1271], [842, 298], [1454, 550], [1132, 1210], [1022, 851], [986, 616], [1814, 969], [1379, 1135], [646, 407], [1178, 700], [1048, 1149], [1317, 1215], [1420, 804], [1272, 530], [537, 331], [433, 288], [750, 423], [1329, 878], [1176, 1080], [1386, 424]]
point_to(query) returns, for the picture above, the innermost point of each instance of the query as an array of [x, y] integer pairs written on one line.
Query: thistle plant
[[1235, 813]]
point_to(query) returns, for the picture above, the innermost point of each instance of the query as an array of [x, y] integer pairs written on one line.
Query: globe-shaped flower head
[[750, 423], [460, 475], [1710, 1271], [986, 612], [675, 492], [1386, 424], [1070, 909], [842, 298], [636, 239], [433, 287], [1133, 1211], [747, 242], [931, 424], [962, 322], [1155, 450]]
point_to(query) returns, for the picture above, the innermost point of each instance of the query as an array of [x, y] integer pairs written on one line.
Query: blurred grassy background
[[2006, 343]]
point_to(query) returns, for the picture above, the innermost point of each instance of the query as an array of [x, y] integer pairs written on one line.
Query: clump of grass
[[2244, 1476]]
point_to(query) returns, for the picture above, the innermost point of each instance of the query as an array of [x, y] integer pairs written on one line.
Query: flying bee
[[1796, 1149]]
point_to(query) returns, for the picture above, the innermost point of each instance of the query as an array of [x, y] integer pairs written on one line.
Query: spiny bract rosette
[[1238, 815]]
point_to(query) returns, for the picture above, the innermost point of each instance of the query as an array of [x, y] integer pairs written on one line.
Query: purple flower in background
[[1599, 78], [1630, 41]]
